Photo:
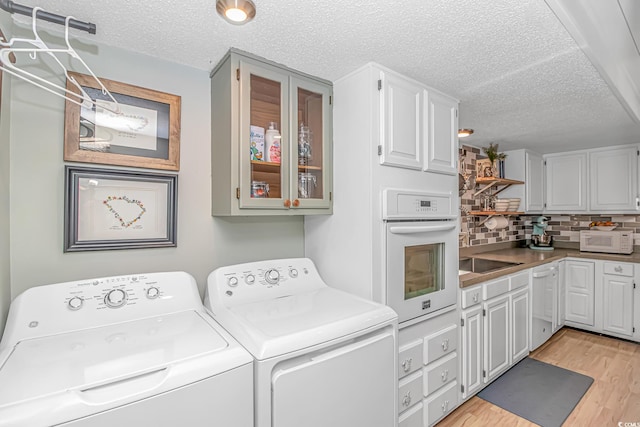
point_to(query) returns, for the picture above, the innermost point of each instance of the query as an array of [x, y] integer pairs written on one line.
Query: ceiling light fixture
[[463, 133], [236, 12]]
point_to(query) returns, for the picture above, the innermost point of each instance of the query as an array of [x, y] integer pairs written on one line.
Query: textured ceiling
[[521, 79]]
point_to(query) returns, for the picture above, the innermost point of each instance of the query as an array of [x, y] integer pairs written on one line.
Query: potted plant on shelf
[[492, 154]]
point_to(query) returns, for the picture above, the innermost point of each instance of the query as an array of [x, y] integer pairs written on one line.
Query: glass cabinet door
[[311, 131], [264, 136]]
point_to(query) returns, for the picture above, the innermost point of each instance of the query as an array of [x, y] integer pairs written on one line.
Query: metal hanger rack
[[36, 46], [20, 9]]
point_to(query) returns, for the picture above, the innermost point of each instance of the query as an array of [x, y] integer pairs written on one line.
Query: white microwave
[[613, 242]]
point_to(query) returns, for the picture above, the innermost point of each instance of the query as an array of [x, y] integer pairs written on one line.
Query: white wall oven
[[420, 252]]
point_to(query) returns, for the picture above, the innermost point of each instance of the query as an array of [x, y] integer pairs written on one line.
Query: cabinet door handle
[[618, 269], [445, 345], [445, 374], [475, 297], [296, 203], [406, 365], [406, 400], [445, 406], [287, 203]]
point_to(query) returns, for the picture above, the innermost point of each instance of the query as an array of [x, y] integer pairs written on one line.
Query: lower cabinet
[[495, 330], [428, 370], [580, 288], [618, 286]]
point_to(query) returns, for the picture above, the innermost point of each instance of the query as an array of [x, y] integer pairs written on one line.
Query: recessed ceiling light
[[463, 133], [236, 12]]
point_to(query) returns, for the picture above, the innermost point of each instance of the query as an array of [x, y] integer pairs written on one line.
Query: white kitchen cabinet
[[579, 279], [472, 348], [404, 121], [617, 302], [497, 343], [526, 166], [520, 321], [428, 370], [248, 94], [442, 141], [495, 329], [419, 126], [566, 182], [613, 179]]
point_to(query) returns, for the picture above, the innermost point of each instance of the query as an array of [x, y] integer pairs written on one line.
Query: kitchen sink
[[479, 265]]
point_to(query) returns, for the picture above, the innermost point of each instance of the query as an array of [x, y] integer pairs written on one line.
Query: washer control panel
[[240, 283]]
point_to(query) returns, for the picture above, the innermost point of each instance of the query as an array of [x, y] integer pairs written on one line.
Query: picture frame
[[108, 209], [484, 169], [144, 133]]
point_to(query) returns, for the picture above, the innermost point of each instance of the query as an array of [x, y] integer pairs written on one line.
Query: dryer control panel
[[242, 283]]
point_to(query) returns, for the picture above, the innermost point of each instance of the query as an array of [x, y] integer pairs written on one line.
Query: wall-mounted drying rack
[[38, 46]]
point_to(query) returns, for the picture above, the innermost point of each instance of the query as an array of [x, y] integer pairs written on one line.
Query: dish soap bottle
[[272, 143]]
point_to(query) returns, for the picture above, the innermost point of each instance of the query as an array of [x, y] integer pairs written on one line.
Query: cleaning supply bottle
[[272, 143]]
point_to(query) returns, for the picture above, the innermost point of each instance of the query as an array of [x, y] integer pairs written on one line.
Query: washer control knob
[[272, 276], [75, 303], [153, 292], [232, 281], [250, 279], [116, 298], [293, 273]]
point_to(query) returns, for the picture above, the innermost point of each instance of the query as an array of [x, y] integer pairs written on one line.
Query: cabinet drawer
[[440, 344], [409, 391], [440, 374], [518, 281], [410, 358], [618, 268], [471, 296], [412, 418], [442, 403], [495, 288]]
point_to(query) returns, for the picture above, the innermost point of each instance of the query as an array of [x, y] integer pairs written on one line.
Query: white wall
[[37, 187], [5, 285]]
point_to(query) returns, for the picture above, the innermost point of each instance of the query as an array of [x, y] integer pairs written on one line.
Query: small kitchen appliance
[[612, 242], [540, 240]]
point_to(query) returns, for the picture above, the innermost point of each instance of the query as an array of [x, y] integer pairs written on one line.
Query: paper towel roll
[[497, 222]]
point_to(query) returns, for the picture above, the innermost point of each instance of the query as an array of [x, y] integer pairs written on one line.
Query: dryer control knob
[[272, 276], [153, 292], [293, 273], [75, 303], [116, 298], [250, 279], [232, 281]]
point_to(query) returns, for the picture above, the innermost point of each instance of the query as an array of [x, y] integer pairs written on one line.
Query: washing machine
[[323, 357], [134, 350]]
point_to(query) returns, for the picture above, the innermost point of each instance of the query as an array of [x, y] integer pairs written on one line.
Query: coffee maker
[[540, 240]]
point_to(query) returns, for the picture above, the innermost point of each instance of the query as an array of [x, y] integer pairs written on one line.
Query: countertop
[[531, 258]]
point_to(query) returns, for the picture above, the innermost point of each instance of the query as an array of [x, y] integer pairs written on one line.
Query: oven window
[[423, 269]]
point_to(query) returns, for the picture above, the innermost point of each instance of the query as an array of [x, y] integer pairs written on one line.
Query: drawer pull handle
[[445, 406], [445, 345], [406, 400], [445, 374], [406, 365], [618, 269], [475, 297]]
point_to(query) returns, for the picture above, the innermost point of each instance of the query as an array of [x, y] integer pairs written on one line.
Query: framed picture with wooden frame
[[141, 130]]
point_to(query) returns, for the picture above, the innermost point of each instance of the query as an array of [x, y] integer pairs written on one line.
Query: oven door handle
[[400, 229]]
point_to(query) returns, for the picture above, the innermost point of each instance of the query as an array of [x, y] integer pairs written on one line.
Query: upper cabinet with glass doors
[[271, 139]]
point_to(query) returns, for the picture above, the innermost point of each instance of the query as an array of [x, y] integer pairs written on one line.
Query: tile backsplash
[[563, 227]]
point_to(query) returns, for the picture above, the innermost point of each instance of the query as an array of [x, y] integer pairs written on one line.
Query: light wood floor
[[613, 397]]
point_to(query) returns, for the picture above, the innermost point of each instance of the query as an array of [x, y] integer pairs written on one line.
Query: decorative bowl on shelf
[[502, 205], [514, 204]]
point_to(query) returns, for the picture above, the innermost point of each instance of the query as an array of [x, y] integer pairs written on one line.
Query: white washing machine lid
[[289, 323], [105, 365]]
